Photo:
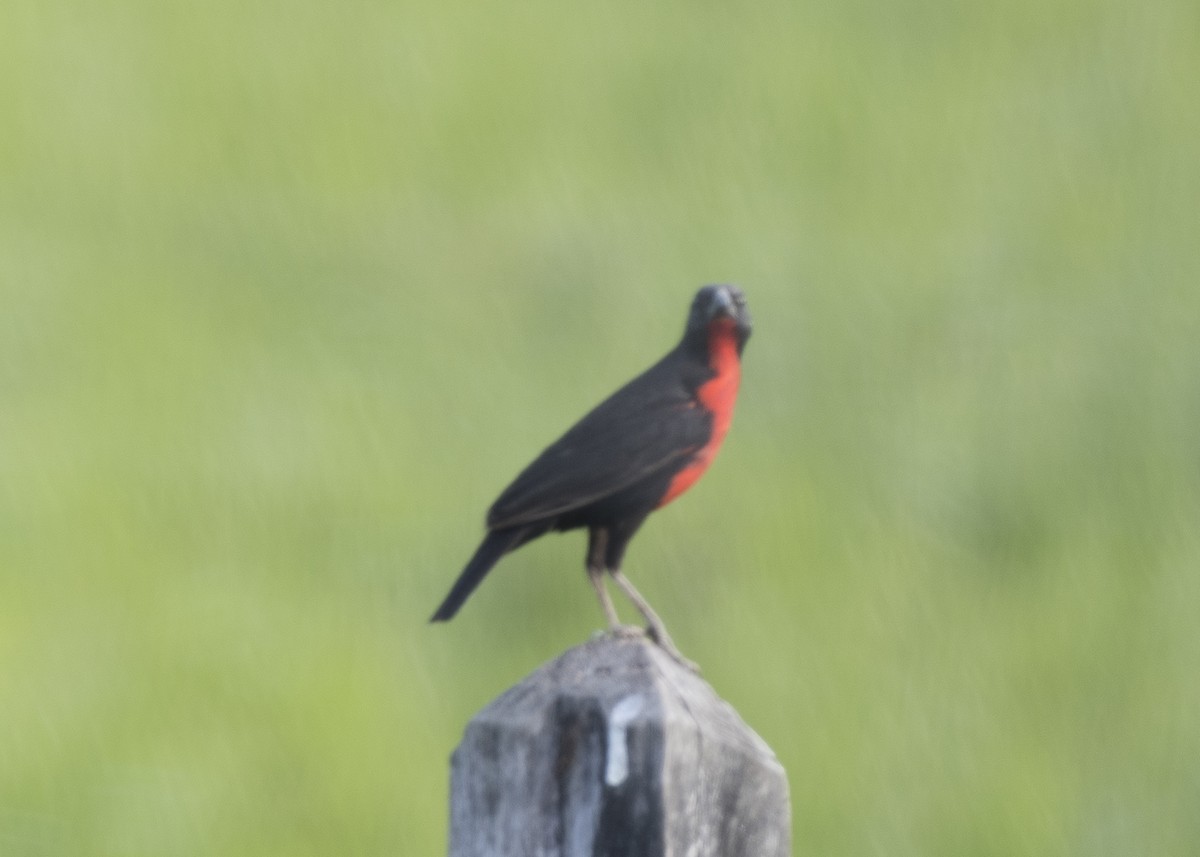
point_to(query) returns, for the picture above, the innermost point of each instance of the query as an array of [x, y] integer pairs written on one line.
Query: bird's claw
[[660, 638], [628, 632]]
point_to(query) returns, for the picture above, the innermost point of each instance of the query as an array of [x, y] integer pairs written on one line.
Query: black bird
[[637, 450]]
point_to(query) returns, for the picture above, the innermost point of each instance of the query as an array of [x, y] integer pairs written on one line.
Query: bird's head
[[719, 309]]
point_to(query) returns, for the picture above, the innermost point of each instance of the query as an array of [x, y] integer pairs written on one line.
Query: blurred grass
[[290, 291]]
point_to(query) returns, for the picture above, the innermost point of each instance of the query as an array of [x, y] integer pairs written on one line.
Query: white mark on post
[[616, 768]]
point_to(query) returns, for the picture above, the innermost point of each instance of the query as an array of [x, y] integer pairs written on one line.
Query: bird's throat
[[717, 395]]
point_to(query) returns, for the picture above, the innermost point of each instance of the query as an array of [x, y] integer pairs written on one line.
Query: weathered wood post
[[614, 749]]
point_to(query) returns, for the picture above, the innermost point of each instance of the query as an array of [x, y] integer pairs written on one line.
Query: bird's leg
[[597, 544], [596, 575], [654, 625]]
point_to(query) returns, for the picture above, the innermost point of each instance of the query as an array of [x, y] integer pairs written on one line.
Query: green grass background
[[288, 291]]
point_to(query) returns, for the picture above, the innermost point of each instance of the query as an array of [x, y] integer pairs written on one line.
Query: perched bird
[[637, 450]]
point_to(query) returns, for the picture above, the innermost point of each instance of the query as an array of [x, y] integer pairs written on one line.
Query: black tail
[[495, 545]]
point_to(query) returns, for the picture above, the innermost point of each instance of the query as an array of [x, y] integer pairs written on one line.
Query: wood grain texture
[[613, 749]]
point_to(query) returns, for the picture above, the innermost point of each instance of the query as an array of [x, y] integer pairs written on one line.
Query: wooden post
[[615, 749]]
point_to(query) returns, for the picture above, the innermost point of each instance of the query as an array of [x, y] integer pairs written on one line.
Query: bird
[[635, 452]]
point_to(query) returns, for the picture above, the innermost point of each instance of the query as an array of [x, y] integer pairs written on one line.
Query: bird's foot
[[626, 632], [664, 642], [659, 638]]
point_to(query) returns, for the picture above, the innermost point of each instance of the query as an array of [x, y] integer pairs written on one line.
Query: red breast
[[717, 396]]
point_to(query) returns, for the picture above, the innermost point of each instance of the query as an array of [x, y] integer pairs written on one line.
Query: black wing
[[651, 424]]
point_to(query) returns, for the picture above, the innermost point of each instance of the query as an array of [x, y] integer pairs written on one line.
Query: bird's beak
[[722, 305]]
